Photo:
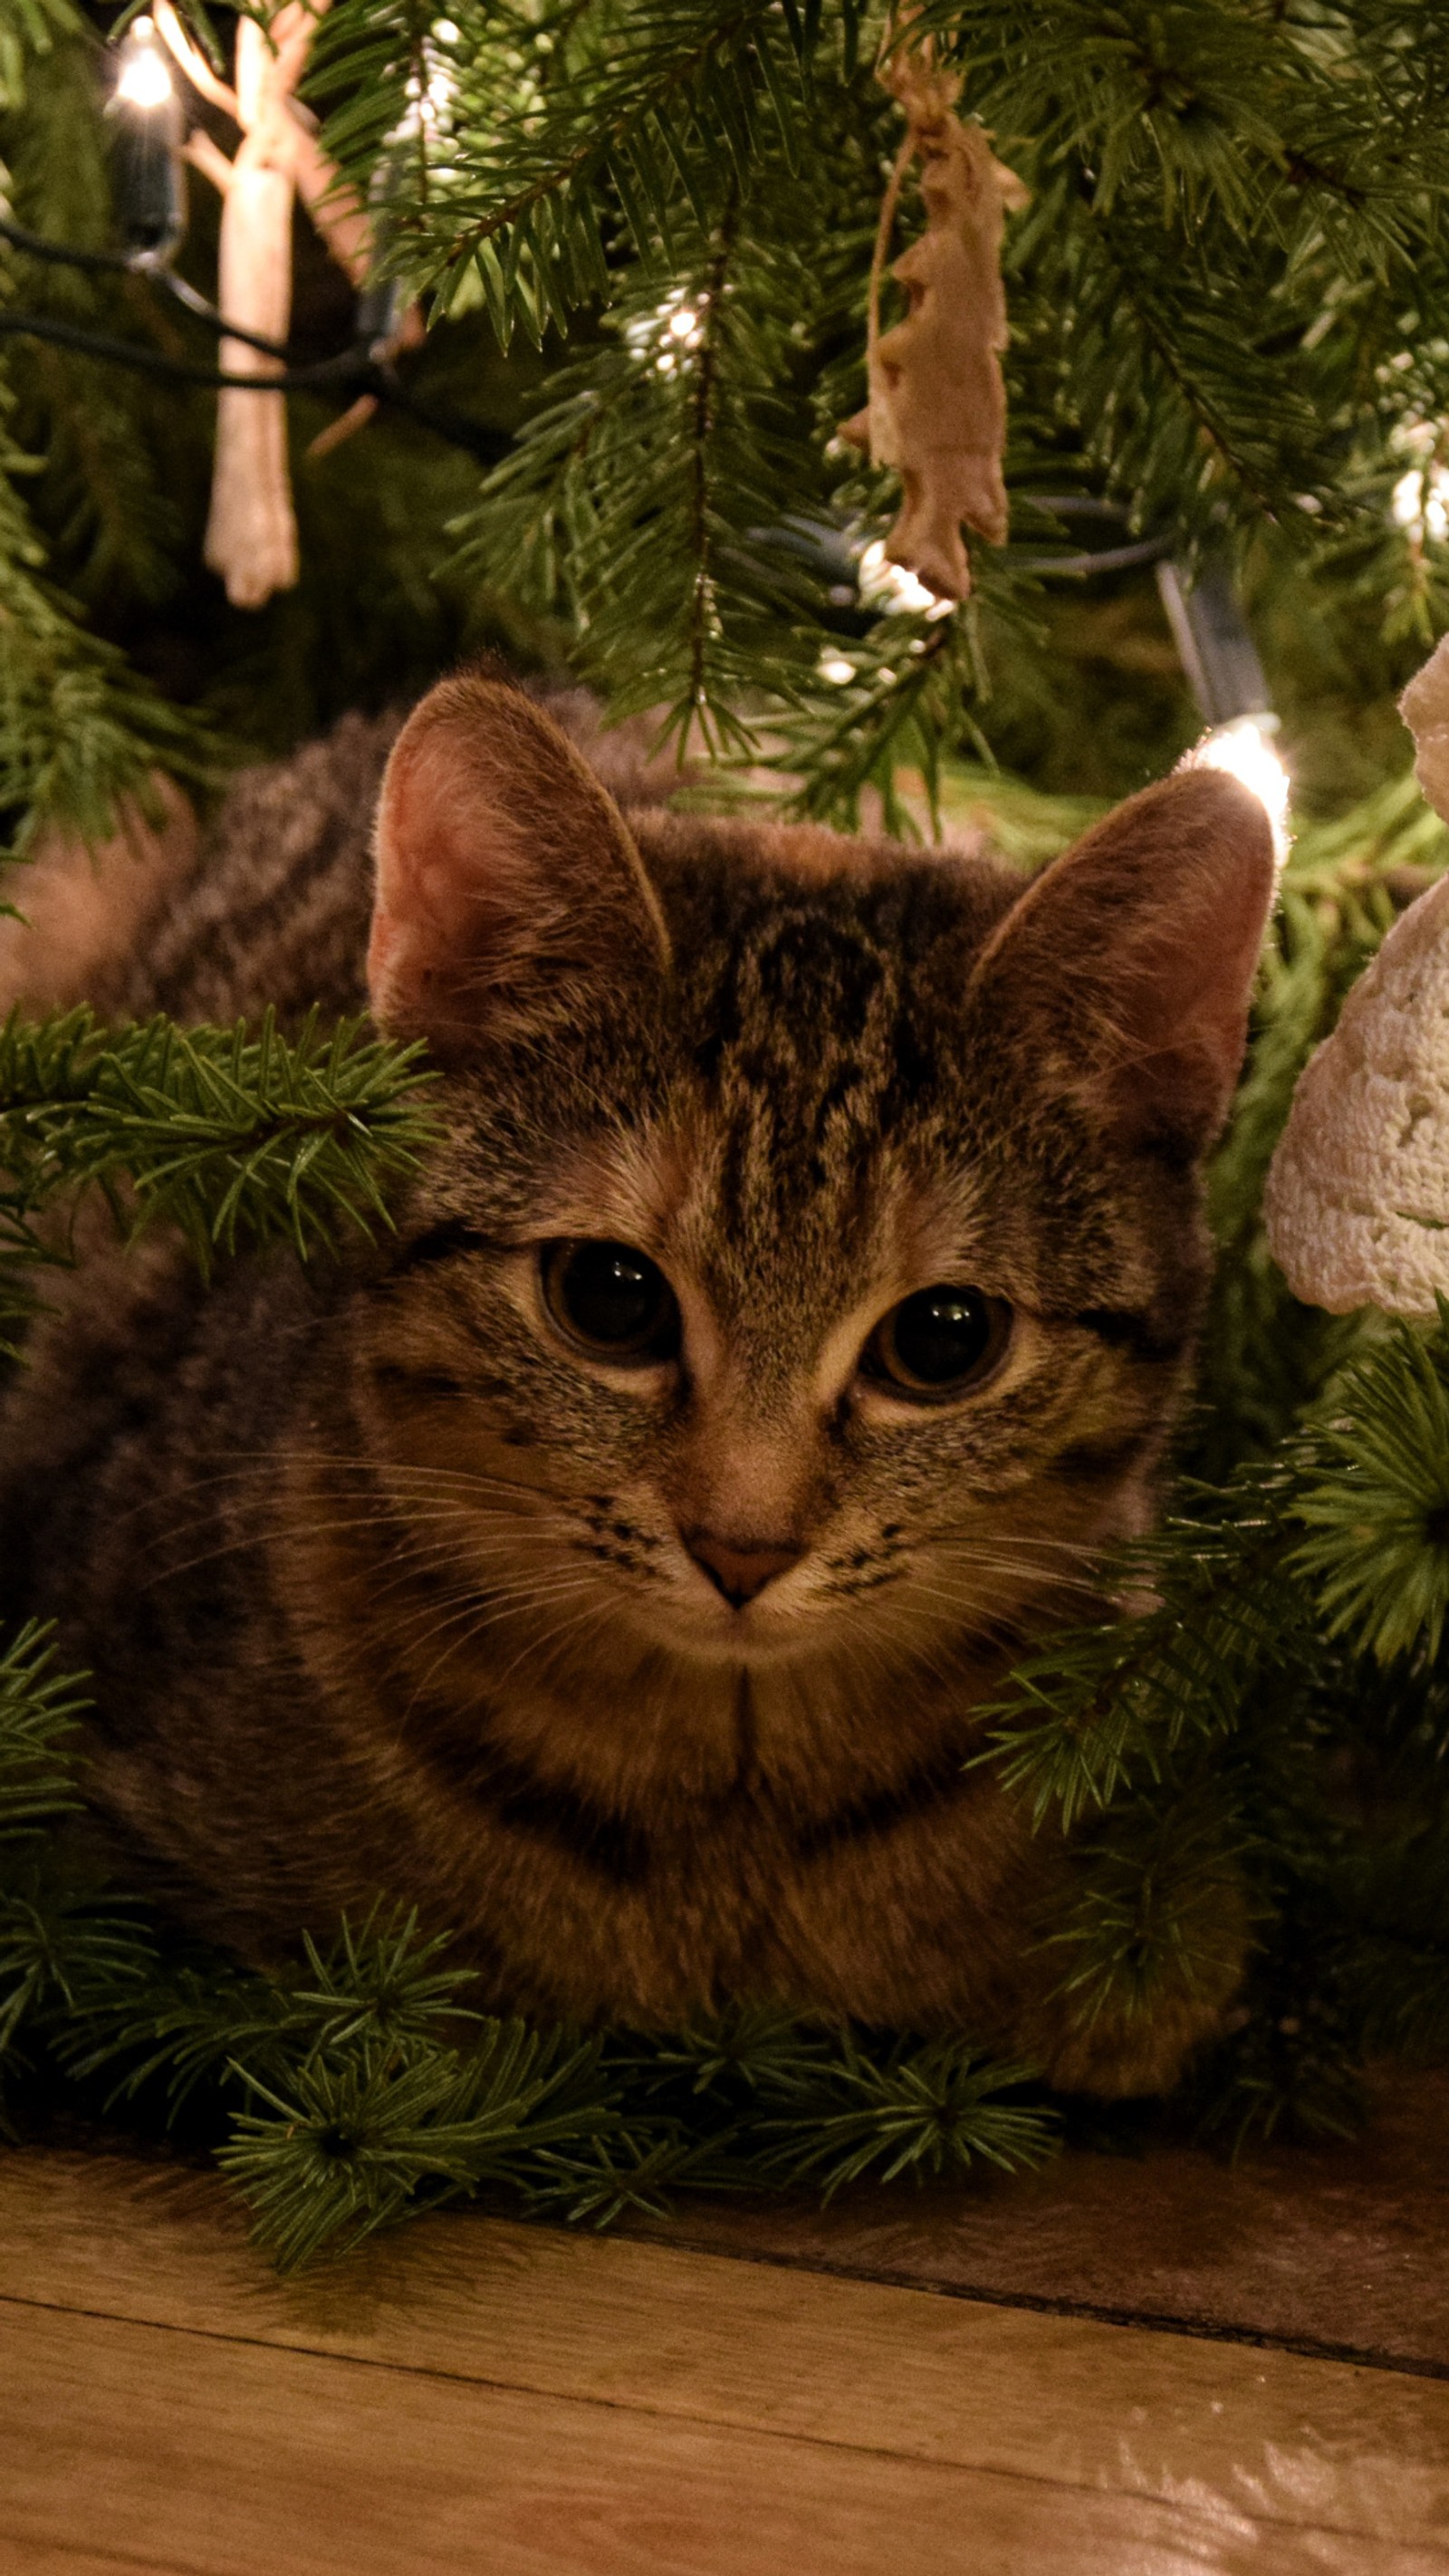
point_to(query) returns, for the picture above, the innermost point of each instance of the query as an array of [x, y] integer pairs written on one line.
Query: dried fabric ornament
[[251, 534], [936, 409], [1357, 1202]]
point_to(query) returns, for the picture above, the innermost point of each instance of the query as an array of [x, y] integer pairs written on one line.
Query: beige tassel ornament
[[1357, 1203], [251, 534], [937, 400]]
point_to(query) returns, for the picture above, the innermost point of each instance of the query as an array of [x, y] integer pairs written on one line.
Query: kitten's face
[[800, 1298], [857, 1429]]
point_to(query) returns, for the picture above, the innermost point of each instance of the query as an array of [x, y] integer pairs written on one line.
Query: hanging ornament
[[937, 401], [1424, 707], [251, 535], [1357, 1202]]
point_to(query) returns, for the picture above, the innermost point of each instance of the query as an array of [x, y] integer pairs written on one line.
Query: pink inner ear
[[456, 894], [1136, 954], [1193, 973], [502, 866]]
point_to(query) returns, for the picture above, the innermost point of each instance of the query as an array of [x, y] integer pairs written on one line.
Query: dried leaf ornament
[[1357, 1203], [937, 402]]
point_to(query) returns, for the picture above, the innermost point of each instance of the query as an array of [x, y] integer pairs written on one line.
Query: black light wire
[[1085, 505], [351, 371]]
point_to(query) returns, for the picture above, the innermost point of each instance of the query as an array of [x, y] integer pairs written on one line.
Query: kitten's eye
[[611, 1300], [937, 1343]]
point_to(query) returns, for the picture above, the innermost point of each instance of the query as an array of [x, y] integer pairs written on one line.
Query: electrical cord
[[64, 254], [353, 368], [1089, 505], [352, 371], [156, 272]]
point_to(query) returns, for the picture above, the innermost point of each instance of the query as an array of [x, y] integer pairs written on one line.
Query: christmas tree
[[560, 354]]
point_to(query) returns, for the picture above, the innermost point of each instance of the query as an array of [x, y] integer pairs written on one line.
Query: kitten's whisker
[[950, 1534], [275, 1526], [1014, 1569], [533, 1645], [369, 1463], [495, 1602]]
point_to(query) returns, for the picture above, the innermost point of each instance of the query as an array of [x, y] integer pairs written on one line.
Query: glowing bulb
[[1244, 749], [144, 78], [684, 325], [148, 190], [891, 587], [1420, 503], [1405, 503], [835, 668]]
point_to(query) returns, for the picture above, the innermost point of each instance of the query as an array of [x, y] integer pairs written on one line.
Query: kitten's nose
[[738, 1571]]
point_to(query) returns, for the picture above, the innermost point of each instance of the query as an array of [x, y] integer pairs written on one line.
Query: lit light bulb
[[1244, 749], [835, 668], [891, 587], [145, 77], [147, 179], [1420, 503]]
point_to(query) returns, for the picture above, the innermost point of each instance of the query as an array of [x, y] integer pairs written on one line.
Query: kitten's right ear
[[1127, 967], [508, 887]]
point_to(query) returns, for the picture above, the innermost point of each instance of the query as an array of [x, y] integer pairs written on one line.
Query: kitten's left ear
[[508, 887], [1128, 966]]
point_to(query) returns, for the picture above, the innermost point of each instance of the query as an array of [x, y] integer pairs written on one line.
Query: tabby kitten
[[801, 1292]]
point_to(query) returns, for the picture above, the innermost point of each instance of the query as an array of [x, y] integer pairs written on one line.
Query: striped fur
[[384, 1589]]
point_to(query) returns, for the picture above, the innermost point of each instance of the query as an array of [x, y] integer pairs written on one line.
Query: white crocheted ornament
[[1357, 1203], [1424, 707]]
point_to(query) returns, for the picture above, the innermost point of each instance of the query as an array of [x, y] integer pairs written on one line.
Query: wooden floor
[[474, 2395]]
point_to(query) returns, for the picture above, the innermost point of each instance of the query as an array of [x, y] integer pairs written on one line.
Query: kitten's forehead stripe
[[810, 1017]]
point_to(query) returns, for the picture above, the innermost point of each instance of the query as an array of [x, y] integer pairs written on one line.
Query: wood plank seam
[[1032, 2303], [77, 2554], [1033, 2481], [597, 2519]]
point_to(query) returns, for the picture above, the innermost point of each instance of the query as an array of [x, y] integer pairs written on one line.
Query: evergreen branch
[[1372, 1477], [644, 502], [38, 1712], [63, 1939], [636, 94], [1159, 1907], [1280, 119], [635, 2173], [355, 2137], [228, 1136], [354, 2095], [80, 729], [924, 2108], [1102, 1711], [60, 1934], [1171, 360]]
